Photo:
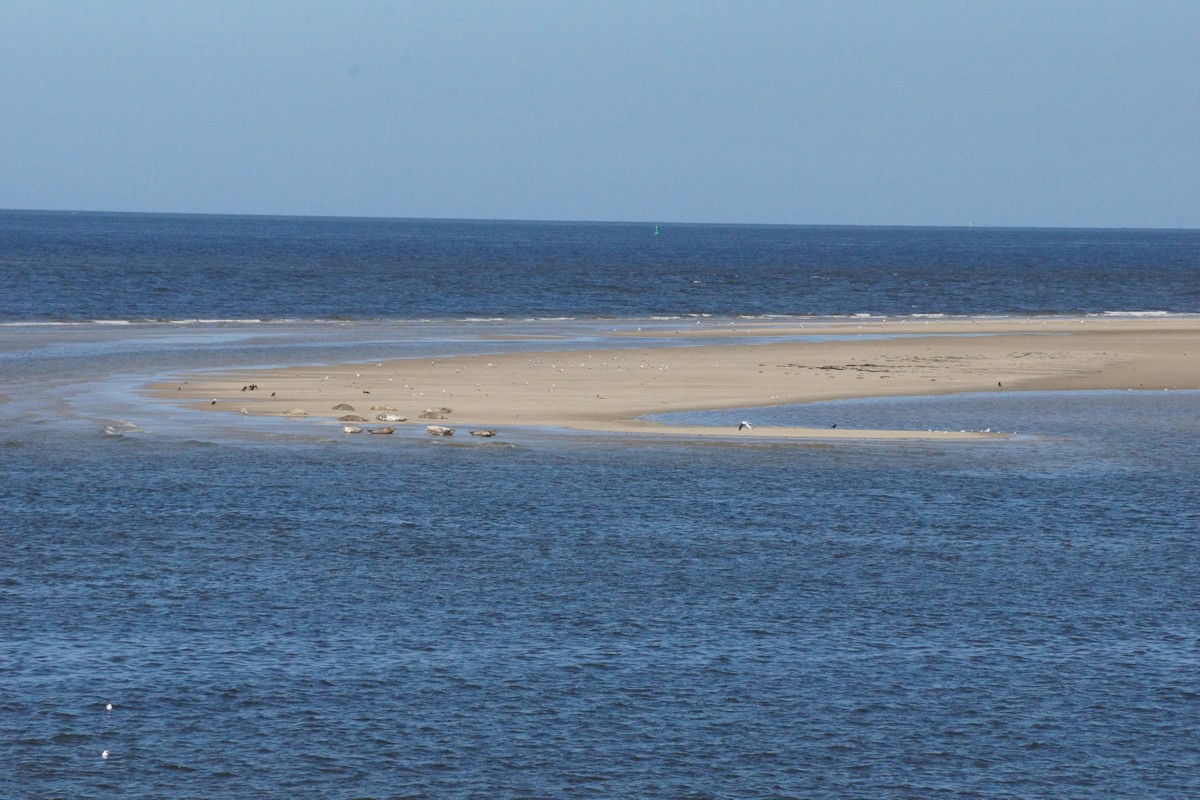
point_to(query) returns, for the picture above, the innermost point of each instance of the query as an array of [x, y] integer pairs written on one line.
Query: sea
[[196, 606]]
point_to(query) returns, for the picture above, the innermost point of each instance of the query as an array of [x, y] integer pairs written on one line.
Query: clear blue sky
[[1038, 113]]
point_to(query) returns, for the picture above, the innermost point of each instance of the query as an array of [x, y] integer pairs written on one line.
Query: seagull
[[745, 425], [108, 707], [104, 754]]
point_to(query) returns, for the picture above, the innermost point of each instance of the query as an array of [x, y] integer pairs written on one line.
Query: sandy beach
[[611, 389]]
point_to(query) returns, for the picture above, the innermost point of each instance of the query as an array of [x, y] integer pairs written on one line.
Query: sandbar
[[739, 365]]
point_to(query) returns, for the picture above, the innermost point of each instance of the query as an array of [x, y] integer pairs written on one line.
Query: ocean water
[[74, 267], [274, 610]]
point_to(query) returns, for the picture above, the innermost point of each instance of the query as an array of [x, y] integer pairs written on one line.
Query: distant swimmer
[[746, 425]]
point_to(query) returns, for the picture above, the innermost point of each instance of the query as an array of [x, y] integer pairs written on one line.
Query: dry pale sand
[[611, 389]]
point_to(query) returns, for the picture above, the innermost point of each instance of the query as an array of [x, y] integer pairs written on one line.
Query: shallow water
[[588, 616]]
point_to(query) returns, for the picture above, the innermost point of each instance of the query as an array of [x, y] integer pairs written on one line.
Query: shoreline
[[784, 362]]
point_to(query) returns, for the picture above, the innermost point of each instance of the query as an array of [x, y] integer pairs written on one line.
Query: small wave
[[1131, 314], [216, 321], [203, 321], [123, 322], [120, 429]]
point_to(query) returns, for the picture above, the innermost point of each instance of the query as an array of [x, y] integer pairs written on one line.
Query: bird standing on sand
[[746, 425]]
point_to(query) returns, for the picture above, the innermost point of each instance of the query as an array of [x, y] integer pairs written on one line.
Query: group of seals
[[441, 430], [389, 415]]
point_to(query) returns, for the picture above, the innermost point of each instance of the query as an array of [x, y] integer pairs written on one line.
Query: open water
[[276, 611]]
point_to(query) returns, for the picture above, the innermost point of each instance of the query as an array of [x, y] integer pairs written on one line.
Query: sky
[[1013, 113]]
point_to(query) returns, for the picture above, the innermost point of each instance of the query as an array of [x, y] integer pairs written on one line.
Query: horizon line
[[527, 220]]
